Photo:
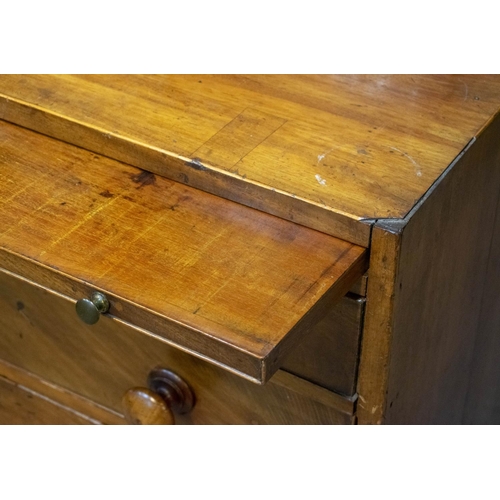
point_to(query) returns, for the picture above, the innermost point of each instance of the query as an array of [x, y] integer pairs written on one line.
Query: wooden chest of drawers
[[225, 219]]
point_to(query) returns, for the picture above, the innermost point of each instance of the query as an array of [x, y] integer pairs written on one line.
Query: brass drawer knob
[[89, 310], [167, 393]]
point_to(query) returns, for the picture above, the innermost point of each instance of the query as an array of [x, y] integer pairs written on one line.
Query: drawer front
[[233, 285], [20, 406], [42, 334], [329, 355]]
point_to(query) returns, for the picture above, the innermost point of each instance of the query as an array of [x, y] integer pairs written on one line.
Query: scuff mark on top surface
[[418, 170], [327, 152], [320, 180]]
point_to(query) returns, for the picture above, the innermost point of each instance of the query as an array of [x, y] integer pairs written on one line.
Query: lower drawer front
[[41, 333], [20, 406]]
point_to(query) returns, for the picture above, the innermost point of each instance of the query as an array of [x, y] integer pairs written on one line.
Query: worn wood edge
[[488, 122], [362, 301], [377, 330], [59, 396], [359, 288], [243, 363], [397, 225], [187, 171], [252, 367], [385, 246], [62, 286], [314, 392], [358, 302], [320, 309], [227, 368], [476, 174], [376, 337]]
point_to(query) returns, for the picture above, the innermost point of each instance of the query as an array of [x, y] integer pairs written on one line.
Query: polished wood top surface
[[324, 151], [216, 278]]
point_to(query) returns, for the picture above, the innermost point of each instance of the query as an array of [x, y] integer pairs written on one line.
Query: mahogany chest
[[249, 249]]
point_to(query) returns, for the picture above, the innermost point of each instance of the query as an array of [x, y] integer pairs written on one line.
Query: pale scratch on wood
[[27, 216], [320, 180], [466, 90], [17, 193], [129, 244], [230, 278], [87, 217], [418, 170], [322, 155]]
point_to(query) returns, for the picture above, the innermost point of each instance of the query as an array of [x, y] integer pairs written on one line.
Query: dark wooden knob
[[167, 393]]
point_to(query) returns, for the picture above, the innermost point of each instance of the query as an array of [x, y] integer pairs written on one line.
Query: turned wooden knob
[[167, 393]]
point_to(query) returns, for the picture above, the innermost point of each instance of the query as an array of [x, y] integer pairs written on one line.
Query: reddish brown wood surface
[[377, 329], [28, 399], [324, 151], [359, 288], [142, 406], [329, 353], [226, 282], [483, 394], [101, 362], [20, 406], [429, 316]]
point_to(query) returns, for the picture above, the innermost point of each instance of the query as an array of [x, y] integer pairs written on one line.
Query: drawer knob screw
[[166, 394], [89, 310]]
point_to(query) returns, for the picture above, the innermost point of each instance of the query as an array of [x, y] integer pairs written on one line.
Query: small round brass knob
[[167, 394], [89, 310]]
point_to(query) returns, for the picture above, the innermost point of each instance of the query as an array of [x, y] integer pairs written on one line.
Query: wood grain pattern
[[40, 333], [482, 405], [323, 151], [19, 406], [328, 355], [360, 287], [430, 314], [28, 399], [377, 329], [142, 406], [442, 271], [216, 278]]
